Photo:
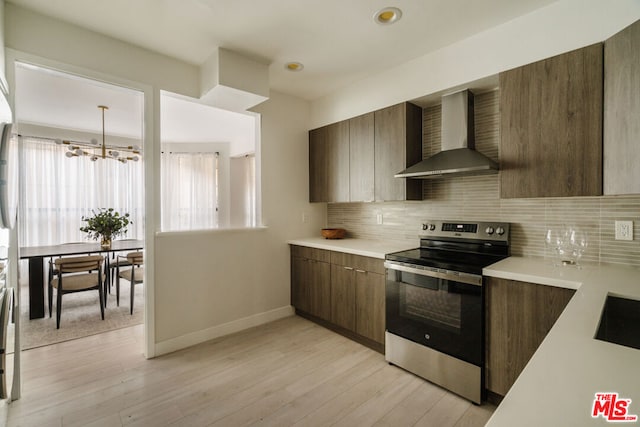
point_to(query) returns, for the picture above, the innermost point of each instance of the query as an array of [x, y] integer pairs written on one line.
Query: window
[[189, 190], [56, 191], [190, 132]]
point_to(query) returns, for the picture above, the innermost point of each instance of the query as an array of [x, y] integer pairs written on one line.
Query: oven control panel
[[487, 231]]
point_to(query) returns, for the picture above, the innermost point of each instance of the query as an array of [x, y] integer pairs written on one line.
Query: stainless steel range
[[435, 303]]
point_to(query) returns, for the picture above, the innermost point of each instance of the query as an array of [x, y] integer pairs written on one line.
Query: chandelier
[[96, 150]]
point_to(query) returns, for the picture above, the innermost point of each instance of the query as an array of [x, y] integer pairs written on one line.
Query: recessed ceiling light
[[294, 66], [388, 15]]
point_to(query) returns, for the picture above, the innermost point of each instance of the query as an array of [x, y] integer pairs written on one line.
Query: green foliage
[[106, 223]]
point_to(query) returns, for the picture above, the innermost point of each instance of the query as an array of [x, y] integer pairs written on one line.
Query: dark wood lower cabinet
[[348, 293], [300, 286], [370, 308], [320, 274], [310, 282], [519, 315], [343, 296]]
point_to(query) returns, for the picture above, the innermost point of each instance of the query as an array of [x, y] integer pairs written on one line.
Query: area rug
[[80, 317]]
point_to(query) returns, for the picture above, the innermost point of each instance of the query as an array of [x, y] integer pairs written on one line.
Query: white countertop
[[369, 248], [558, 385]]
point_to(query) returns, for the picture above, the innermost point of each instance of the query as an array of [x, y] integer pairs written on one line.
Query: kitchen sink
[[620, 322]]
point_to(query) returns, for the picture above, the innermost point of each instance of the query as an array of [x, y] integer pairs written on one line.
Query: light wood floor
[[289, 372]]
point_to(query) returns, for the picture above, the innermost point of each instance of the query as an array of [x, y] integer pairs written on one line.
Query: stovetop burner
[[458, 246], [463, 262]]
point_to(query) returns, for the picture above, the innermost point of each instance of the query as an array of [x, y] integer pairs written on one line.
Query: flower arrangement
[[105, 225]]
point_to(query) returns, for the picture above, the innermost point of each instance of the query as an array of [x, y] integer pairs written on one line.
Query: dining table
[[37, 254]]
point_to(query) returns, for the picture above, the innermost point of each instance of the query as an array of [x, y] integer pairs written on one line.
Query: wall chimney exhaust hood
[[458, 156]]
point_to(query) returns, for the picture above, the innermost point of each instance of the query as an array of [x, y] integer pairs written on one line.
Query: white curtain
[[249, 185], [189, 191], [243, 191], [56, 191]]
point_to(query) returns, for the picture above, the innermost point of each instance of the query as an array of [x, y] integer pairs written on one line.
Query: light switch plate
[[624, 230]]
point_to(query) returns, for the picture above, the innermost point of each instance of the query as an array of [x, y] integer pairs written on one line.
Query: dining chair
[[52, 267], [117, 259], [76, 274], [134, 275]]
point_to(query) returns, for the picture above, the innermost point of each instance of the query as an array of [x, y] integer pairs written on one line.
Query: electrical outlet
[[379, 219], [305, 217], [624, 230]]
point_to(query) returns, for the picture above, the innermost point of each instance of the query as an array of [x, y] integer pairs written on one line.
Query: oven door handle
[[455, 276]]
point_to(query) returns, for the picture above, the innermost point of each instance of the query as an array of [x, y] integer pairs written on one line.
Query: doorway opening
[[75, 162]]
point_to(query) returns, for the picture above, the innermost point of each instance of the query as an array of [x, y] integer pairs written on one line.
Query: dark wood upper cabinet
[[329, 163], [361, 158], [398, 144], [355, 160], [622, 112], [551, 126], [318, 165]]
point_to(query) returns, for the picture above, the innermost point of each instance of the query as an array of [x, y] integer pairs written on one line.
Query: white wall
[[46, 37], [204, 283], [215, 282], [3, 80], [560, 27]]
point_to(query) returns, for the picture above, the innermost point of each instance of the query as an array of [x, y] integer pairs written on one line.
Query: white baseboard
[[201, 336]]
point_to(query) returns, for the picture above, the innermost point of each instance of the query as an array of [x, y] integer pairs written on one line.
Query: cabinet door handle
[[348, 268], [360, 271]]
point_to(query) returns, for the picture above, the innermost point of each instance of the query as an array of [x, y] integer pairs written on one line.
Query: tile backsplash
[[478, 198]]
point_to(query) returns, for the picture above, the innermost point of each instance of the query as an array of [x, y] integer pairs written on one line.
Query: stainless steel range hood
[[458, 156]]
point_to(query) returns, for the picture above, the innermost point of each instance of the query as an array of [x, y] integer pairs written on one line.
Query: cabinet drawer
[[358, 262], [310, 253]]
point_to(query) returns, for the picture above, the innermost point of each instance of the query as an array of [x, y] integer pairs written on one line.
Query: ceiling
[[337, 41], [50, 98], [59, 100]]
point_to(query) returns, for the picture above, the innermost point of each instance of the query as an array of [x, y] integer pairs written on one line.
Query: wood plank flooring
[[291, 372]]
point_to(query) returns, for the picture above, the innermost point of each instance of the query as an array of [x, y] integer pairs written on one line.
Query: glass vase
[[105, 242]]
